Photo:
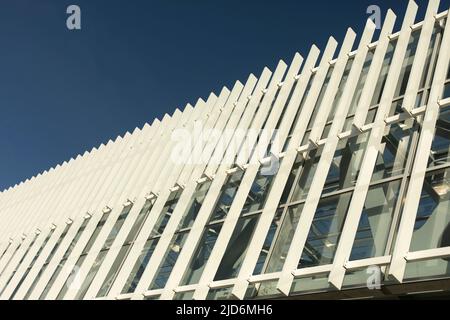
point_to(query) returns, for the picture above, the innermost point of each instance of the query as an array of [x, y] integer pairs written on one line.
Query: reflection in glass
[[236, 249], [432, 228], [346, 163], [227, 194], [259, 191], [339, 93], [303, 184], [283, 239], [219, 294], [140, 265], [375, 221], [325, 231], [194, 205], [440, 148], [169, 260], [201, 255], [393, 150], [166, 213], [407, 64], [381, 82], [268, 242], [361, 82], [446, 92]]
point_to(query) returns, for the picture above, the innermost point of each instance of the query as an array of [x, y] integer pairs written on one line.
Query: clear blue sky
[[63, 92]]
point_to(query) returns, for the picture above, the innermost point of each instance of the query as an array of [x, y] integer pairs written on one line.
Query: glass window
[[381, 82], [439, 154], [227, 194], [283, 239], [446, 92], [311, 284], [140, 265], [112, 273], [219, 294], [117, 227], [151, 243], [259, 191], [437, 29], [303, 183], [305, 96], [194, 205], [201, 255], [291, 180], [346, 163], [268, 242], [375, 221], [178, 240], [407, 64], [323, 90], [166, 213], [394, 150], [236, 249], [184, 295], [361, 82], [432, 226], [91, 275], [339, 93], [325, 231], [169, 260]]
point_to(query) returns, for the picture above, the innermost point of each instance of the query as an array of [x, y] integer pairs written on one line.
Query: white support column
[[350, 228], [268, 213], [312, 200], [406, 228]]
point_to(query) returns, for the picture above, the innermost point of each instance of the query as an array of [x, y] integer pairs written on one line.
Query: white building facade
[[325, 178]]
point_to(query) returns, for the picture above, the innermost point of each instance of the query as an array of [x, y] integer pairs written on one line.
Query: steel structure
[[356, 188]]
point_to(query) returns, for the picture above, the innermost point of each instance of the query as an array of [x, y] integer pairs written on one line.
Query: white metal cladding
[[354, 174]]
